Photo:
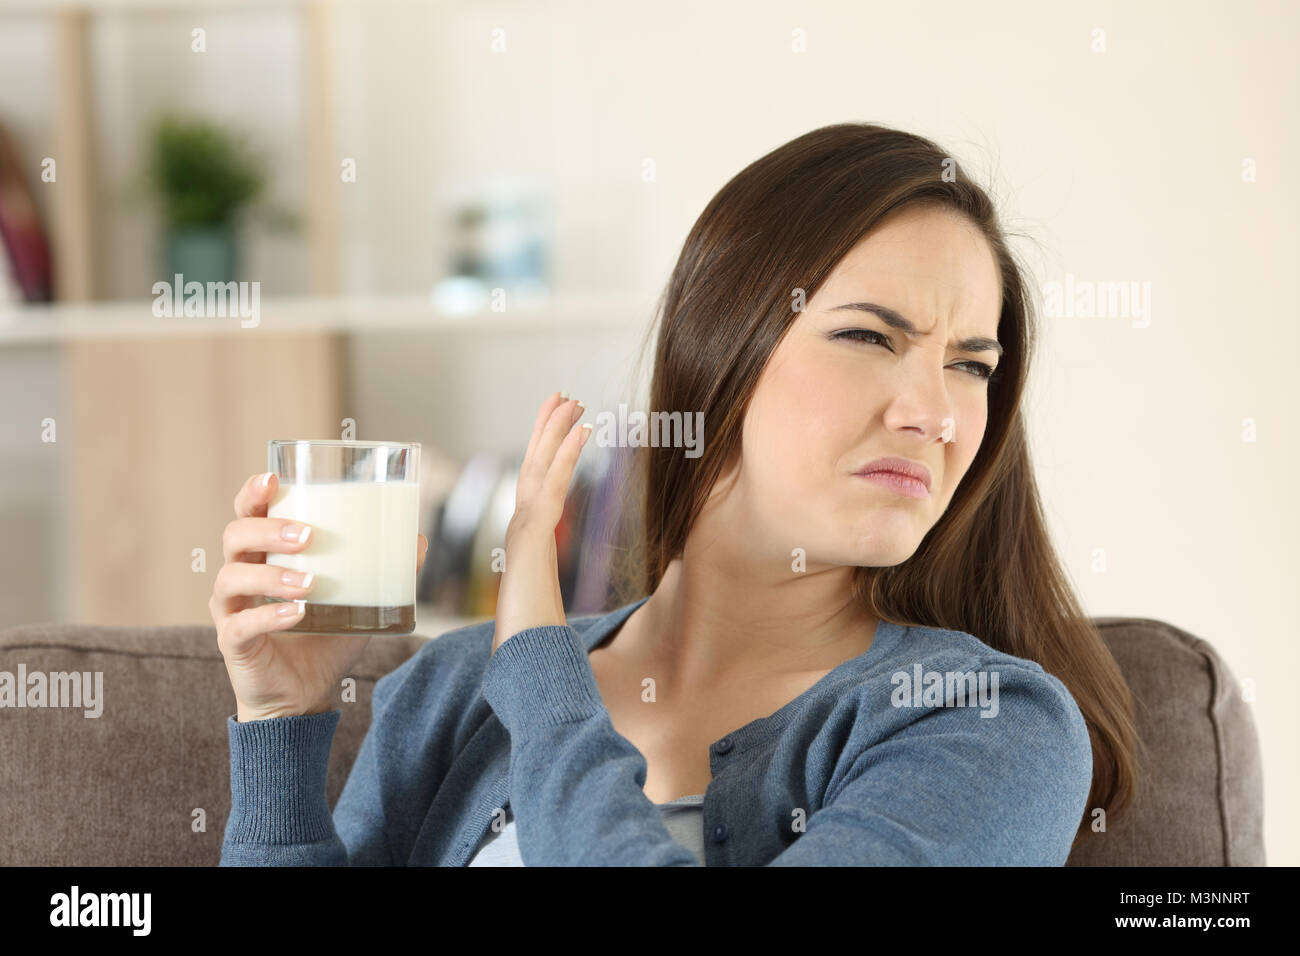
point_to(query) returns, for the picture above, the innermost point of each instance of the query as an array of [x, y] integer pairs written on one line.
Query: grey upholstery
[[148, 781], [1201, 793]]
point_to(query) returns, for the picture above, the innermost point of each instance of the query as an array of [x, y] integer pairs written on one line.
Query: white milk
[[363, 542]]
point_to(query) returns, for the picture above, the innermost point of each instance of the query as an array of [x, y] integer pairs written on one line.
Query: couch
[[148, 782]]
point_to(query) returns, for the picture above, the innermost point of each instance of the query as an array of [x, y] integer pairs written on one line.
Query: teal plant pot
[[201, 253]]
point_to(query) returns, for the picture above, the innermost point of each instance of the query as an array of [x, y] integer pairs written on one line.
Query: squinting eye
[[983, 371], [856, 336], [979, 369]]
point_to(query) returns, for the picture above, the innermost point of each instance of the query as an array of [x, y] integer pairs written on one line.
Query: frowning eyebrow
[[891, 318]]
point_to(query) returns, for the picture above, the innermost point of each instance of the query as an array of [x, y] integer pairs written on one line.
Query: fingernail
[[586, 433], [266, 480], [297, 579], [291, 607], [295, 532], [578, 410], [564, 396]]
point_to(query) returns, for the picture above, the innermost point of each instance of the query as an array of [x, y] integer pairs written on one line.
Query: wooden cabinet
[[162, 432]]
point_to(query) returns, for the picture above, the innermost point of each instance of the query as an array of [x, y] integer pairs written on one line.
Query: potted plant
[[204, 176]]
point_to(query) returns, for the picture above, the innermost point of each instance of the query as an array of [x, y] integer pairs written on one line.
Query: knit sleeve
[[954, 788], [541, 686], [279, 814]]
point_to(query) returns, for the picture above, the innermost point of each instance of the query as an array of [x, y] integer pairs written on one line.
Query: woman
[[857, 645]]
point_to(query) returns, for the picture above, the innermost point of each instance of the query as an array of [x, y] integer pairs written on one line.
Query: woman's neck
[[706, 623]]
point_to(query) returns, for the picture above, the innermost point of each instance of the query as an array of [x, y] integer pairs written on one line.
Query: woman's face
[[831, 399]]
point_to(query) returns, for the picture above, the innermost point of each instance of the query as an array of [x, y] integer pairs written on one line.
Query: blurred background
[[451, 209]]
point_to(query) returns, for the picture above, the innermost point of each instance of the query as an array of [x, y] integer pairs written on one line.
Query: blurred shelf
[[24, 324], [149, 6]]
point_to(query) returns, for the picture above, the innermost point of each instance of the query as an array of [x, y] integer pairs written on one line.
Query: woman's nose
[[922, 402]]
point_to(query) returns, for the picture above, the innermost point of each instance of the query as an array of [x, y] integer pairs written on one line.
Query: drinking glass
[[362, 501]]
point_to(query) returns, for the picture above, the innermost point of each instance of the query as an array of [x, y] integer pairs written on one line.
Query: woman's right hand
[[273, 674]]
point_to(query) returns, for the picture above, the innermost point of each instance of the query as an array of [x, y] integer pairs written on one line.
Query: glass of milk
[[362, 501]]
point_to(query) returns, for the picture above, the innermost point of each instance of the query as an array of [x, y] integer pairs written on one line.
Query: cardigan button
[[719, 833], [722, 746]]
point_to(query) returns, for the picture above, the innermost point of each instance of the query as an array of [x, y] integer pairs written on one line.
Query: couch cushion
[[120, 789], [1201, 794]]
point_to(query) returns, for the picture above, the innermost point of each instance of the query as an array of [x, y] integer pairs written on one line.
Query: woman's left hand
[[530, 584]]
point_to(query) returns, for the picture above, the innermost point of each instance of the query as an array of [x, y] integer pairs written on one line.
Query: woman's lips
[[903, 484]]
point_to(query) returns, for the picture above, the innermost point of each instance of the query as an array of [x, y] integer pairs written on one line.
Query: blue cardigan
[[889, 759]]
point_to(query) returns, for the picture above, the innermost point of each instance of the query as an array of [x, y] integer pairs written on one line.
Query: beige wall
[[1123, 165]]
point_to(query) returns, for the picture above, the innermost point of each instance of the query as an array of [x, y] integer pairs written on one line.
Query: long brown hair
[[987, 567]]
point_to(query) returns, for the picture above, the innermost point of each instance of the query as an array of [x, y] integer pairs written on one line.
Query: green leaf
[[203, 173]]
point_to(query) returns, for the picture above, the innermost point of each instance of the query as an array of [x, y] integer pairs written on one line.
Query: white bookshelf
[[28, 325], [148, 6]]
